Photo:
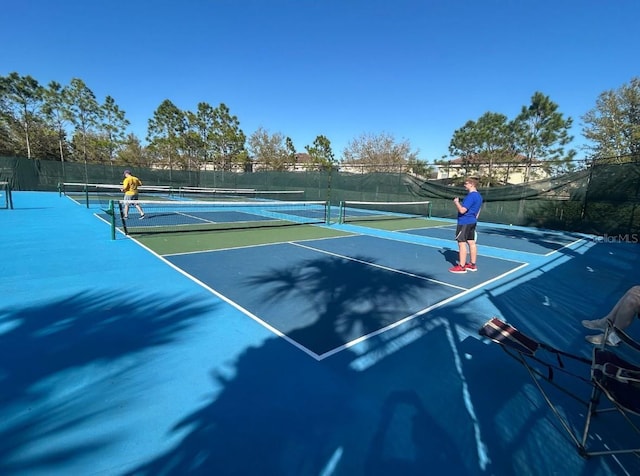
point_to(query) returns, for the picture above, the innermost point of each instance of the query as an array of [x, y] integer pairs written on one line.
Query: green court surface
[[169, 243], [401, 223]]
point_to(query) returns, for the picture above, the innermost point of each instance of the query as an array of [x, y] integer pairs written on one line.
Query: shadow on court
[[335, 301], [549, 308], [425, 398], [450, 256], [531, 241], [396, 408], [281, 414], [55, 345], [406, 409]]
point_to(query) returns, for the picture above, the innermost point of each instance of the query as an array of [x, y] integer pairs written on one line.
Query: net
[[353, 211], [240, 194], [186, 216], [6, 200], [99, 194]]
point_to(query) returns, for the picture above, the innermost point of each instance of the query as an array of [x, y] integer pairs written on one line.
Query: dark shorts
[[466, 232]]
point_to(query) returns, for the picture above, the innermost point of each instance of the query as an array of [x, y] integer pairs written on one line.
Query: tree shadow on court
[[284, 413], [280, 412], [276, 416], [51, 348], [336, 301]]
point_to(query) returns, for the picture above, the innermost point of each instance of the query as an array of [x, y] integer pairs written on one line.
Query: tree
[[165, 130], [202, 124], [378, 153], [291, 150], [269, 149], [465, 145], [22, 97], [84, 113], [541, 133], [132, 153], [487, 141], [613, 126], [56, 111], [192, 146], [228, 139], [420, 168], [320, 153], [113, 126]]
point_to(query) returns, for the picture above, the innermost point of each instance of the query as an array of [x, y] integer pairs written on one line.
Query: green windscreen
[[354, 211]]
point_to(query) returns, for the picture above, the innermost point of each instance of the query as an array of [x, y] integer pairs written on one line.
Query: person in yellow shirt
[[130, 186]]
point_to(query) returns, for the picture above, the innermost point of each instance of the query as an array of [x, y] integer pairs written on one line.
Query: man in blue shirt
[[468, 212]]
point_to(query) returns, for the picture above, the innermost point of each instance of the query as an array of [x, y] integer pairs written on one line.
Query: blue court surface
[[515, 238], [371, 281], [353, 355]]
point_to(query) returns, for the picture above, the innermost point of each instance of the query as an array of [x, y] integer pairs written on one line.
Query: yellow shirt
[[130, 185]]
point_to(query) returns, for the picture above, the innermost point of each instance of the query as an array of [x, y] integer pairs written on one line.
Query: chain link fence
[[601, 199]]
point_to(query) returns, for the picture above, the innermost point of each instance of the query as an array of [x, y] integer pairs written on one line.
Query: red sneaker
[[458, 269], [470, 267]]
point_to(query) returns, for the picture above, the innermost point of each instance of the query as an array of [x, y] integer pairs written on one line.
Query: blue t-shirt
[[472, 202]]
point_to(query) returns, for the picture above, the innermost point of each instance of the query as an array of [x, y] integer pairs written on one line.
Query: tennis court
[[317, 349], [287, 286]]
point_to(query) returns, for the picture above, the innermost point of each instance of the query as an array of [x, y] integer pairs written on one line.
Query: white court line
[[481, 448], [285, 242], [386, 268], [348, 344], [417, 314], [230, 302]]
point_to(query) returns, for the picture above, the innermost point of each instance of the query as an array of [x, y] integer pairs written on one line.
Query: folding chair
[[606, 374]]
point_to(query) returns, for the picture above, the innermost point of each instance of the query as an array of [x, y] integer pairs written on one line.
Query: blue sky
[[415, 69]]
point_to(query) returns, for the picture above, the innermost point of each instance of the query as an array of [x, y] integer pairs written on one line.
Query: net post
[[112, 213], [86, 194], [124, 222], [4, 187], [429, 209], [327, 213], [59, 189], [5, 190], [341, 212]]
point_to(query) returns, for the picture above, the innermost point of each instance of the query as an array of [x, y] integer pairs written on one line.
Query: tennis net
[[187, 216], [353, 211], [6, 200], [99, 194], [239, 194]]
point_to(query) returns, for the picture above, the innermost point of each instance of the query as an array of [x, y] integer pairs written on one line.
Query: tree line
[[68, 123], [538, 137]]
